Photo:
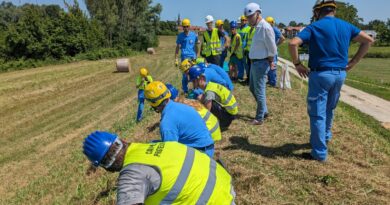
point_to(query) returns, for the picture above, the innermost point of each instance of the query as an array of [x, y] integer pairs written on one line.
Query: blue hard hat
[[96, 146], [233, 24], [202, 65], [173, 90], [195, 72]]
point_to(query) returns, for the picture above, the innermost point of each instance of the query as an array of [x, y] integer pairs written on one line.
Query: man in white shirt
[[262, 52]]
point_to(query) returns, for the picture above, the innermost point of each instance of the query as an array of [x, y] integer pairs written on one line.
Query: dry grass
[[46, 113]]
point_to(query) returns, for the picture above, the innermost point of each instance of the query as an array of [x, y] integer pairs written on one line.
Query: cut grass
[[263, 160]]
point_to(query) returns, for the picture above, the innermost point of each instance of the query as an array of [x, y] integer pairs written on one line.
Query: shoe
[[308, 156], [257, 122]]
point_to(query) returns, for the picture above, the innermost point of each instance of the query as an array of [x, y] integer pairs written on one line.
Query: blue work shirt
[[222, 73], [181, 123], [187, 43], [329, 40], [278, 34], [213, 76]]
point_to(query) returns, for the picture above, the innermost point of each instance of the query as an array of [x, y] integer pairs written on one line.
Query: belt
[[205, 148], [256, 60], [326, 69]]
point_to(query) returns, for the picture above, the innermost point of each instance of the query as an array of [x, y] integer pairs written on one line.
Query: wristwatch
[[297, 64]]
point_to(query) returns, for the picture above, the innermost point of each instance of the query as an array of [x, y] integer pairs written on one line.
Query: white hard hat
[[251, 8], [209, 19]]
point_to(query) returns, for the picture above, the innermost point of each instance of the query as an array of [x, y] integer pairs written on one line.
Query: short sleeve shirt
[[328, 40], [187, 44]]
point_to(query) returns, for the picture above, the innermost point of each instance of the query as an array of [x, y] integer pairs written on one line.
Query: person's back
[[329, 40], [213, 76], [221, 72], [182, 123]]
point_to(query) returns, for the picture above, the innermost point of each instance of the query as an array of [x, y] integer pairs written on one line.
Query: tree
[[281, 25], [348, 13], [226, 25], [132, 23], [293, 23]]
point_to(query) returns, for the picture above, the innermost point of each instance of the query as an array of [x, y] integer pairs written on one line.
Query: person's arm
[[237, 44], [293, 48], [197, 50], [270, 45], [281, 40], [365, 43], [136, 183], [208, 104]]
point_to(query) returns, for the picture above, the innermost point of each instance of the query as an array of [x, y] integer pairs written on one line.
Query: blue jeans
[[247, 63], [257, 79], [141, 100], [322, 99], [241, 69], [272, 74]]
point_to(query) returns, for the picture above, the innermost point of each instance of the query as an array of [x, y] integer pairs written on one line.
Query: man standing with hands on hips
[[262, 52], [328, 39]]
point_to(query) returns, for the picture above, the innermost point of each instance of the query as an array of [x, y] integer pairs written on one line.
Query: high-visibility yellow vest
[[228, 101], [211, 123], [211, 45], [244, 34], [187, 175], [251, 33], [238, 52]]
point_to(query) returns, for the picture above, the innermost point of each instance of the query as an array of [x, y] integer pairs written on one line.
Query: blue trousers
[[247, 64], [141, 100], [257, 85], [241, 68], [322, 99]]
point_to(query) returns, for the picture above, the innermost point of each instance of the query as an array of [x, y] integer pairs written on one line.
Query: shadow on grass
[[286, 150], [246, 118], [104, 193]]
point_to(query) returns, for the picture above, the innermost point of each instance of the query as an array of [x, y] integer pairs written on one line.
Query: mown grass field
[[371, 75], [46, 112]]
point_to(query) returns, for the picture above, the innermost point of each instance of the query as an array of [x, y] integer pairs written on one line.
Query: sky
[[282, 10]]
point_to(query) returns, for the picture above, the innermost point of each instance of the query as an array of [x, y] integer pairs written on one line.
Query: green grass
[[48, 111], [374, 52]]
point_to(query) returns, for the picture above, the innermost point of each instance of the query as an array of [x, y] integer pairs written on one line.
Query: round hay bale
[[151, 51], [123, 65]]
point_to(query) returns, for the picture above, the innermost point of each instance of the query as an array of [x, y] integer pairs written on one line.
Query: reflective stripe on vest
[[228, 101], [250, 35], [211, 123], [238, 52], [211, 46], [191, 177]]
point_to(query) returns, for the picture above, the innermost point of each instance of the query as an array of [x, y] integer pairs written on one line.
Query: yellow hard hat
[[270, 20], [218, 23], [156, 92], [243, 18], [186, 22], [185, 65], [143, 72]]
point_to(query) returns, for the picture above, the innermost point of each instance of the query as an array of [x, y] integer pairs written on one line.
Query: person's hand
[[302, 71], [176, 62], [350, 65], [272, 65]]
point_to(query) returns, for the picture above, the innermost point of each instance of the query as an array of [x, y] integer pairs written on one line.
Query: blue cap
[[233, 24], [195, 72], [173, 90], [96, 146]]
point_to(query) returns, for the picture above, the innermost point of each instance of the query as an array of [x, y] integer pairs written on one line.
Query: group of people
[[180, 167]]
